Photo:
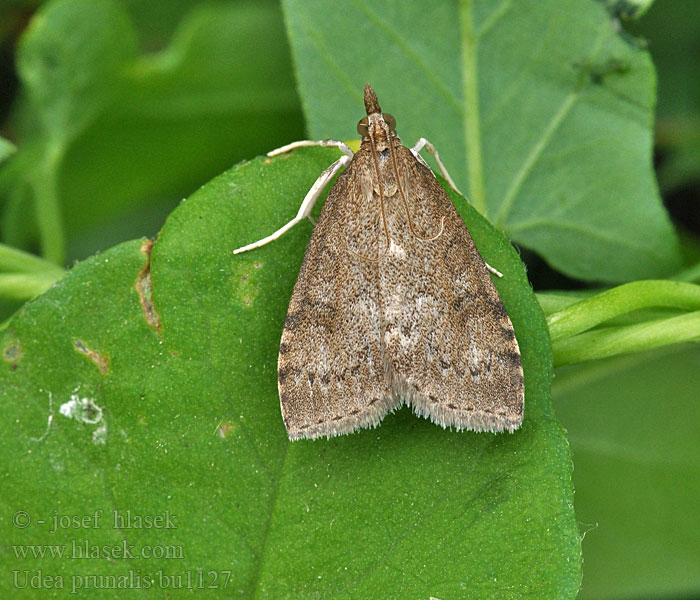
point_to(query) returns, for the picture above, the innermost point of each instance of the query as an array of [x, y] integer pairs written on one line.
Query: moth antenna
[[405, 203], [362, 256]]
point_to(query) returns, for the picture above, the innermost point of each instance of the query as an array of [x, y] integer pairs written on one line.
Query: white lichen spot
[[99, 436], [82, 409], [86, 411], [224, 429]]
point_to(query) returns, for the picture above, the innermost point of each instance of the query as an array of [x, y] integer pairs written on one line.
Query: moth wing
[[330, 369], [450, 345]]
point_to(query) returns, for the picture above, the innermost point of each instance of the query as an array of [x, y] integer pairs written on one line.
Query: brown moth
[[393, 303]]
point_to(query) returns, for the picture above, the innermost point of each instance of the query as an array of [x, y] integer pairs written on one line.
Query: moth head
[[379, 126], [363, 126]]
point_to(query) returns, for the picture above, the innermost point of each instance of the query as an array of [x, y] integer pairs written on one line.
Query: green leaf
[[160, 378], [23, 275], [628, 9], [221, 91], [626, 298], [672, 32], [69, 58], [568, 326], [542, 112], [155, 126], [634, 425], [6, 149]]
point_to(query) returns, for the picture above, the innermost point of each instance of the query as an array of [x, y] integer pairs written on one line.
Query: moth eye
[[390, 121], [363, 127]]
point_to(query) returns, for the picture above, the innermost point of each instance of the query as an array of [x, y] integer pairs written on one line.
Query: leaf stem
[[590, 312], [19, 261], [48, 210], [610, 341], [24, 286]]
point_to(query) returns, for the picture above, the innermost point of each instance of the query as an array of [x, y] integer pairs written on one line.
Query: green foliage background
[[544, 114]]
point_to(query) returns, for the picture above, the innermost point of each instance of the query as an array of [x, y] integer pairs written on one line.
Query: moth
[[393, 304]]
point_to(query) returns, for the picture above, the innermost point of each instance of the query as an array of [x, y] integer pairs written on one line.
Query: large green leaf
[[634, 425], [151, 387], [542, 111]]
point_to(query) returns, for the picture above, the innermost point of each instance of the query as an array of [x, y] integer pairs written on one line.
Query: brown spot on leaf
[[12, 353], [225, 429], [102, 362], [145, 289]]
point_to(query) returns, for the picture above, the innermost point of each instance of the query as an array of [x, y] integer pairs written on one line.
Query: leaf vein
[[540, 144], [400, 42]]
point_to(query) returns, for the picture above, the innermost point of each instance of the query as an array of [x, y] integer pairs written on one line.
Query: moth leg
[[309, 200], [496, 272], [423, 143], [344, 148]]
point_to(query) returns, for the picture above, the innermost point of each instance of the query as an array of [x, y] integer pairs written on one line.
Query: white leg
[[423, 143], [307, 205], [344, 148], [496, 272]]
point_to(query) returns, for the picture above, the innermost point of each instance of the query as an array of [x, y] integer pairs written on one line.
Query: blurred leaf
[[674, 42], [681, 166], [68, 60], [628, 9], [673, 38], [634, 425], [6, 149], [185, 417], [222, 90], [542, 112], [157, 21]]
